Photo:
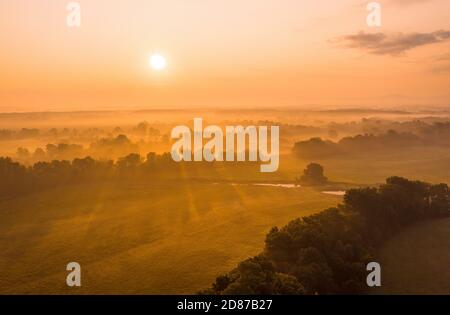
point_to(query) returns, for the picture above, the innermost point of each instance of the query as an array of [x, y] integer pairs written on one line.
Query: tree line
[[390, 141], [327, 253], [17, 179]]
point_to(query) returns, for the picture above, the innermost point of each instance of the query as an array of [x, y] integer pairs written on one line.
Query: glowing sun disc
[[157, 62]]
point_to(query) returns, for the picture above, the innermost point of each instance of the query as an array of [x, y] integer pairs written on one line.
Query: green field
[[177, 233], [169, 237], [416, 261], [426, 164]]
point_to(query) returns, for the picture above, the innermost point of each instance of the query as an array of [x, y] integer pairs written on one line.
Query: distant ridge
[[228, 110]]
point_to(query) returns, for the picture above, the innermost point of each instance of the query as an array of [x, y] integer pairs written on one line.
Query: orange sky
[[235, 53]]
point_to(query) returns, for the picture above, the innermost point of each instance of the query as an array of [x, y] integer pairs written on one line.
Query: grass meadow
[[416, 261], [133, 237], [175, 234]]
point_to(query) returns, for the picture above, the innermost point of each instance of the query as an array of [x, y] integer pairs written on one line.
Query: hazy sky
[[237, 53]]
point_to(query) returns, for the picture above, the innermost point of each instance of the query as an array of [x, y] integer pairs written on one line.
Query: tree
[[151, 159], [132, 161], [256, 275], [39, 154], [313, 175], [23, 153], [439, 199]]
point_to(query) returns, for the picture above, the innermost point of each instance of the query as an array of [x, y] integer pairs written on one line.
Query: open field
[[421, 164], [158, 144], [177, 227], [416, 261], [166, 237]]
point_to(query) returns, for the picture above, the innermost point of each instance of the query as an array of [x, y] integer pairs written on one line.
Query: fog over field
[[217, 147], [101, 188]]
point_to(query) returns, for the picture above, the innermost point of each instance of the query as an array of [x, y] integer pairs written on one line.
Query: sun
[[157, 62]]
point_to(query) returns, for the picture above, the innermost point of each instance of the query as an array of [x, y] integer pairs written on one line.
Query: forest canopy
[[327, 253], [316, 147]]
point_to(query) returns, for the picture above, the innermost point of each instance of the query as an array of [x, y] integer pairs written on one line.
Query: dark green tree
[[313, 175]]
